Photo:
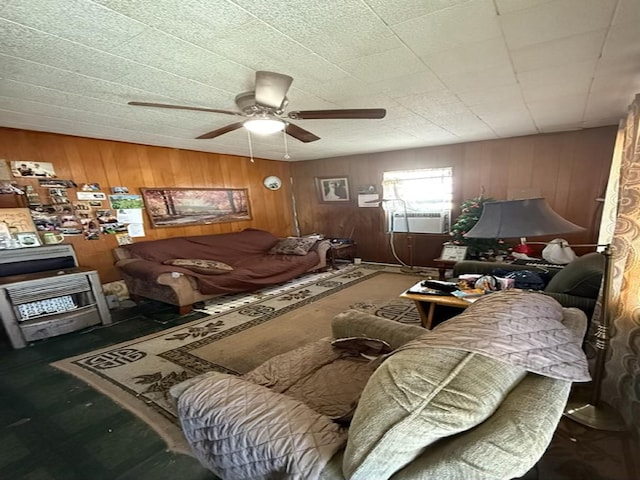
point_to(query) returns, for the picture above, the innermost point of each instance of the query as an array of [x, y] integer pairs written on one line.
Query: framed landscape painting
[[177, 207]]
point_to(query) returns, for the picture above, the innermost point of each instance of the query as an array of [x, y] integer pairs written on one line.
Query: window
[[418, 201], [425, 190]]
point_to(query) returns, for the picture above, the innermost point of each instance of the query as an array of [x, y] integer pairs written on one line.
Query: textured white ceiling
[[447, 71]]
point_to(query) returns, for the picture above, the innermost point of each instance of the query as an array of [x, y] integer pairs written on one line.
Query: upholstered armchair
[[439, 406]]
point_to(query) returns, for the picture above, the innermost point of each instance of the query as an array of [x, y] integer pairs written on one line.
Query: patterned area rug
[[238, 335]]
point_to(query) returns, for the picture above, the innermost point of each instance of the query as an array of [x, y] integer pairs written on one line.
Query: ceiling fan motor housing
[[246, 102]]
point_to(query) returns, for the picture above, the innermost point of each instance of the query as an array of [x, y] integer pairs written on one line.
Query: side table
[[342, 251], [40, 305], [426, 304], [443, 265]]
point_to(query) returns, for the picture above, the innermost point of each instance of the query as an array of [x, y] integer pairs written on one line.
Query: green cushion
[[416, 397], [581, 278], [354, 323], [506, 445]]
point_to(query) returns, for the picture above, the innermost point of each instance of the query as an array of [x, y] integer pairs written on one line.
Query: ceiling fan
[[264, 107]]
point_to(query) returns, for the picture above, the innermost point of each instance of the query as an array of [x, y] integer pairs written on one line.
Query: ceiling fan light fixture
[[264, 125]]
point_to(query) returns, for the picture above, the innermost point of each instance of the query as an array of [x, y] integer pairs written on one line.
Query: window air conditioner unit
[[419, 222]]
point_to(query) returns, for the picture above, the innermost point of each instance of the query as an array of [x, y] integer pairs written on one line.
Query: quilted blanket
[[520, 328], [277, 420]]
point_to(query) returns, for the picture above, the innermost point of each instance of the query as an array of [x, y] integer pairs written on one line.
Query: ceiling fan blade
[[335, 114], [271, 88], [300, 133], [182, 107], [221, 131]]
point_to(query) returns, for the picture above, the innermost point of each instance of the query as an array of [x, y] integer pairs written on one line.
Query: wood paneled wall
[[569, 169], [110, 164]]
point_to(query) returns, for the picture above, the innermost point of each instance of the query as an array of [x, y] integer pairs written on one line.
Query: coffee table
[[426, 304]]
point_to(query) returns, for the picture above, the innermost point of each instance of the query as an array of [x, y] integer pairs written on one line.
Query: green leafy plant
[[470, 211]]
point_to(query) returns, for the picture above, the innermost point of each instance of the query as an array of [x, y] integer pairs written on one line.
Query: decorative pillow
[[417, 397], [293, 246], [206, 267]]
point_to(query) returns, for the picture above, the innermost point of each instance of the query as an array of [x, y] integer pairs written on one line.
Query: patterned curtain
[[621, 386]]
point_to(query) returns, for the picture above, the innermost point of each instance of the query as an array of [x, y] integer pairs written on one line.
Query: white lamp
[[264, 125]]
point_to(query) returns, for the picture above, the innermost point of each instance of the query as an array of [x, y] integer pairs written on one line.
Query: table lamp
[[531, 217], [534, 217]]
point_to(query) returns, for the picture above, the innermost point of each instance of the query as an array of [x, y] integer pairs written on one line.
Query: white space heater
[[419, 222]]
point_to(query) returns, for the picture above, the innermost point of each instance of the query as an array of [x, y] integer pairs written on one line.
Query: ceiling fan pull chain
[[250, 147], [286, 145]]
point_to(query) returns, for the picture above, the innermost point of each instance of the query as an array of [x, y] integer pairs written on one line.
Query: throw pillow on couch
[[205, 267], [293, 246]]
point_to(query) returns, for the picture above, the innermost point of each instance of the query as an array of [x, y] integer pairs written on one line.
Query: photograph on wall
[[56, 183], [11, 188], [173, 207], [108, 222], [33, 197], [88, 196], [119, 190], [90, 187], [126, 201], [91, 229], [124, 238], [81, 206], [45, 220], [70, 224], [28, 239], [90, 224], [21, 168], [334, 189], [58, 196]]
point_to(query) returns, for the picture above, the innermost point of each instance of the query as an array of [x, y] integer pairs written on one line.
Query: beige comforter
[[519, 328]]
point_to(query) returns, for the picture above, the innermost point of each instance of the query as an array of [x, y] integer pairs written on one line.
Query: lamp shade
[[531, 217]]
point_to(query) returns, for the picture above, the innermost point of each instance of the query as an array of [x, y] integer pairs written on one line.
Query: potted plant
[[478, 248]]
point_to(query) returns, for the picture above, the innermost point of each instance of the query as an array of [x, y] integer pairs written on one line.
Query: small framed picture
[[333, 189], [454, 253], [27, 239]]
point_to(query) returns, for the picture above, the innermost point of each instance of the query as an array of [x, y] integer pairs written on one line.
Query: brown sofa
[[146, 274]]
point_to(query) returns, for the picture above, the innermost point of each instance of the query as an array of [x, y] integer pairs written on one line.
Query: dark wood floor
[[53, 426]]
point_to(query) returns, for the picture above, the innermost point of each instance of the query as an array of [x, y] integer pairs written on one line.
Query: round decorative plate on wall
[[272, 182]]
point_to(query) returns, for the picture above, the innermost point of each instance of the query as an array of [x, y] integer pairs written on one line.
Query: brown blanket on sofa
[[246, 252]]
